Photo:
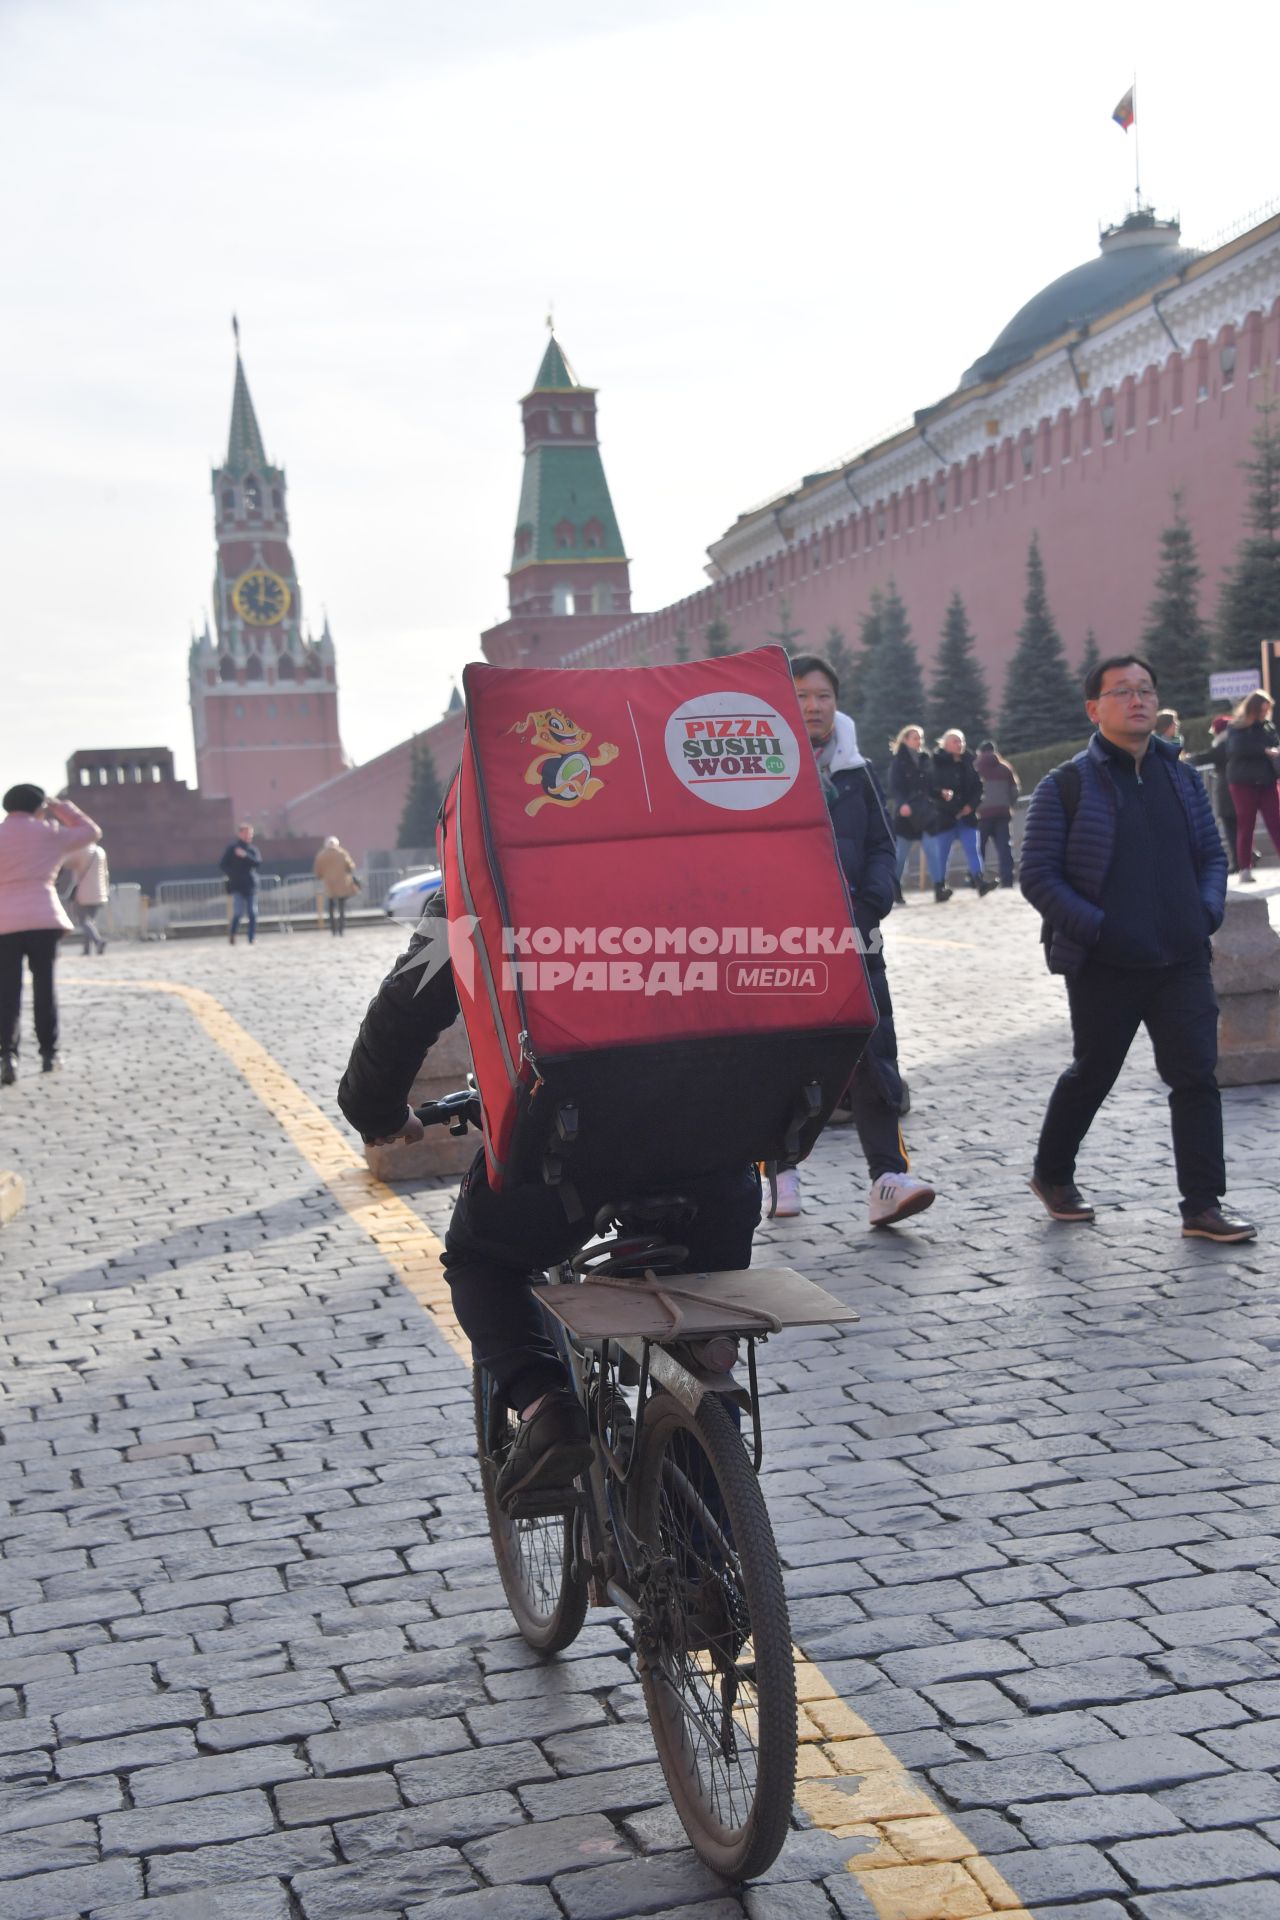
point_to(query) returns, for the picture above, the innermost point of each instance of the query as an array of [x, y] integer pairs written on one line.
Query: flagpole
[[1137, 172]]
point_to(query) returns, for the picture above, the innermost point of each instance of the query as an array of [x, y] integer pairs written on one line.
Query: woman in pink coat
[[36, 835]]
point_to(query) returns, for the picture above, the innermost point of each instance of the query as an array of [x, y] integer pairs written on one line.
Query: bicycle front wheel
[[540, 1570], [714, 1638]]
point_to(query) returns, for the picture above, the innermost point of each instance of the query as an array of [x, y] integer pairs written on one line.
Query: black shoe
[[1064, 1202], [941, 893], [1215, 1223], [232, 937], [985, 886], [49, 1063], [550, 1450], [8, 1070], [899, 897]]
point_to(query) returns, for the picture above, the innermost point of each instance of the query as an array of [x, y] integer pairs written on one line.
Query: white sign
[[732, 749], [1233, 686]]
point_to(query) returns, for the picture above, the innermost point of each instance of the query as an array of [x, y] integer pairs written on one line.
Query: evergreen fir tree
[[1091, 655], [716, 635], [870, 627], [890, 689], [786, 635], [841, 659], [958, 696], [1176, 639], [422, 802], [1249, 611], [1042, 703]]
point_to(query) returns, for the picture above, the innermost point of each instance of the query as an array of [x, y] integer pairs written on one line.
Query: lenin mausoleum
[[1131, 377]]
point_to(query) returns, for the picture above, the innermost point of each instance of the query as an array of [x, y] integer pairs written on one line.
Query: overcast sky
[[770, 231]]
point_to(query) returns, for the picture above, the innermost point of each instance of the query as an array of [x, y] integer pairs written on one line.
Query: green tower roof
[[555, 371], [244, 442], [565, 486]]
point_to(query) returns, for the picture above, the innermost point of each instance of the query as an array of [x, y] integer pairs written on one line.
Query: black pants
[[39, 948], [498, 1243], [996, 833], [1177, 1007], [337, 916], [875, 1092]]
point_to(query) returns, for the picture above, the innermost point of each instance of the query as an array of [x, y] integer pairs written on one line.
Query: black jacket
[[911, 785], [1248, 764], [405, 1018], [964, 783], [240, 864]]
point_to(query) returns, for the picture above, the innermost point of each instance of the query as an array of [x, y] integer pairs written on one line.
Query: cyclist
[[499, 1243]]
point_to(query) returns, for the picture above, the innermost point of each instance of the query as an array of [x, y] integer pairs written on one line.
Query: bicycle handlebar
[[458, 1111]]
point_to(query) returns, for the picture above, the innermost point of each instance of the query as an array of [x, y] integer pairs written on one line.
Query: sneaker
[[1065, 1202], [550, 1450], [896, 1196], [50, 1063], [1215, 1223], [941, 893], [788, 1203], [1246, 877], [985, 887], [8, 1070]]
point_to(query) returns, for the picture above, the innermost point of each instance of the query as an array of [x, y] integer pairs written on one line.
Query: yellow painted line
[[920, 1865]]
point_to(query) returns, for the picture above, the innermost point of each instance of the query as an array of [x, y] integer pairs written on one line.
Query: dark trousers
[[874, 1096], [337, 916], [996, 833], [1178, 1009], [39, 948], [499, 1243], [244, 906]]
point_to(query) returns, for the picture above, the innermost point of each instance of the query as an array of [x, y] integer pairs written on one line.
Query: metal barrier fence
[[284, 901]]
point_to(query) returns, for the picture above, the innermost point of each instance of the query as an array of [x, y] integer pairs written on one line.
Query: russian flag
[[1124, 115]]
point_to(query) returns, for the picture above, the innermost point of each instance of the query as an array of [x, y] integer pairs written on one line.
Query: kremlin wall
[[1131, 377]]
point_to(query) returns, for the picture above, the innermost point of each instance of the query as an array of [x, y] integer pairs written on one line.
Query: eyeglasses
[[1129, 693]]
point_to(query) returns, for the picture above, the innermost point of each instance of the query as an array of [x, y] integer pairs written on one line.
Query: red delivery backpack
[[649, 928]]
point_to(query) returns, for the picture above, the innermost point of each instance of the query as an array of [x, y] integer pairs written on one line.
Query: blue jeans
[[937, 847], [904, 853], [244, 907]]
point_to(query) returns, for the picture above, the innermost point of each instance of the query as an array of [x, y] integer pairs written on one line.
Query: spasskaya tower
[[264, 692]]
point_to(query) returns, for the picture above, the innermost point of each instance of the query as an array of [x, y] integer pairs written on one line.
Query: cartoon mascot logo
[[561, 766]]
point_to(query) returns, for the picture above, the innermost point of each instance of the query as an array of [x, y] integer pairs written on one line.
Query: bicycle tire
[[538, 1564], [714, 1595]]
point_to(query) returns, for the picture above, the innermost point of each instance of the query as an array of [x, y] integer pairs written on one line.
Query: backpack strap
[[1066, 779]]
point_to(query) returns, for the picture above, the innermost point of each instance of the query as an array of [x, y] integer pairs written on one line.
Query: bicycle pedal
[[544, 1504]]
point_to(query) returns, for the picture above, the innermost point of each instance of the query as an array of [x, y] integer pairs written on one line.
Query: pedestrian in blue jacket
[[1123, 860]]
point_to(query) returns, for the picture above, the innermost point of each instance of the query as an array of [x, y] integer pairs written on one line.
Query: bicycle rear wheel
[[541, 1573], [715, 1641]]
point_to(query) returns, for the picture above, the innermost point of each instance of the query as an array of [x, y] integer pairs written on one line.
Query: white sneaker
[[896, 1196], [788, 1203]]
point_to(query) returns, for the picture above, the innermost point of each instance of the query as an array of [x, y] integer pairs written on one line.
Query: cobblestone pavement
[[254, 1661]]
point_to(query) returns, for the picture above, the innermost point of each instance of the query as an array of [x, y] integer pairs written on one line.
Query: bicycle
[[668, 1524]]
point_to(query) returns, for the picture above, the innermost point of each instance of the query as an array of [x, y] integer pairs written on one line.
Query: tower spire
[[244, 442]]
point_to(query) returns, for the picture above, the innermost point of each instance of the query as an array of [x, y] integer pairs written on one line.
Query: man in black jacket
[[497, 1244], [868, 859]]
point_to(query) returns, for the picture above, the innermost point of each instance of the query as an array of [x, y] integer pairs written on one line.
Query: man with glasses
[[1122, 859]]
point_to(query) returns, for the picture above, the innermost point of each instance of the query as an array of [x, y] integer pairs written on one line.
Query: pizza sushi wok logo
[[734, 750]]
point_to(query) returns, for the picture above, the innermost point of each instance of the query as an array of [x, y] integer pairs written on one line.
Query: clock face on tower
[[261, 597]]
